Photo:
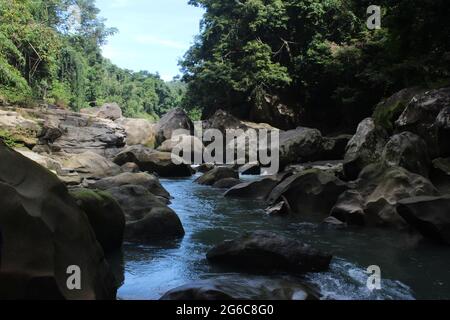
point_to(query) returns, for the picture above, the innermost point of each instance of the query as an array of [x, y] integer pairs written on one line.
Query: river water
[[410, 269]]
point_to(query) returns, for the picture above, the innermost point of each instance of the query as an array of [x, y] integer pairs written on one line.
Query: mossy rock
[[105, 216], [389, 110]]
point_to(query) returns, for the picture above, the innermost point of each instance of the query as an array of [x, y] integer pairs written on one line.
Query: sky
[[153, 34]]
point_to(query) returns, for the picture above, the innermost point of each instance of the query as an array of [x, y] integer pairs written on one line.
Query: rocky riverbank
[[76, 185]]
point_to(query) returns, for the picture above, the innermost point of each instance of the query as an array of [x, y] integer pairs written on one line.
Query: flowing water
[[410, 269]]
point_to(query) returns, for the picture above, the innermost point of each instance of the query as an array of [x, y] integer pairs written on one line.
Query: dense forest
[[285, 62], [50, 50], [316, 59]]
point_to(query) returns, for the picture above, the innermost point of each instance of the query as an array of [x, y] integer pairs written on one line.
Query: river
[[410, 269]]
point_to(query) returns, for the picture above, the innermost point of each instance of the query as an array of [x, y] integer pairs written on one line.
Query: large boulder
[[226, 183], [364, 148], [300, 145], [376, 193], [429, 215], [272, 110], [44, 233], [148, 181], [311, 193], [222, 121], [147, 217], [81, 133], [138, 131], [264, 252], [19, 129], [258, 189], [440, 174], [217, 174], [390, 109], [409, 151], [421, 114], [153, 161], [443, 132], [111, 111], [105, 216], [176, 119], [90, 165], [178, 144]]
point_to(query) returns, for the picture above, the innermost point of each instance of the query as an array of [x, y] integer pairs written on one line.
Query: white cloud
[[154, 40], [166, 77]]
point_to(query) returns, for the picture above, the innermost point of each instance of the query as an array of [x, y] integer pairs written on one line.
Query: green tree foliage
[[316, 55], [50, 50]]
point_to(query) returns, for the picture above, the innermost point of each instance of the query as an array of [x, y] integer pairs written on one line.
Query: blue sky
[[153, 34]]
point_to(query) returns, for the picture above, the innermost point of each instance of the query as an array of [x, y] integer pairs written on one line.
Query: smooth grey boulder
[[300, 145], [429, 215], [175, 119], [265, 252], [217, 174]]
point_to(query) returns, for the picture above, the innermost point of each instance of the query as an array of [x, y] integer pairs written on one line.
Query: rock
[[105, 216], [19, 129], [420, 117], [335, 147], [111, 111], [153, 161], [380, 188], [311, 193], [148, 181], [364, 148], [84, 133], [148, 218], [259, 189], [409, 151], [205, 167], [196, 292], [429, 215], [244, 288], [389, 110], [130, 167], [90, 165], [267, 253], [251, 169], [175, 119], [272, 110], [334, 167], [217, 174], [282, 208], [184, 142], [44, 161], [138, 131], [443, 132], [43, 234], [226, 183], [222, 121], [300, 145], [440, 174], [349, 209], [334, 223]]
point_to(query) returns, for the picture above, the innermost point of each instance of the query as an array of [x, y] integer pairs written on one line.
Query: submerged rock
[[311, 193], [147, 217], [264, 252], [197, 292], [148, 181], [429, 215], [217, 174], [44, 232], [227, 183]]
